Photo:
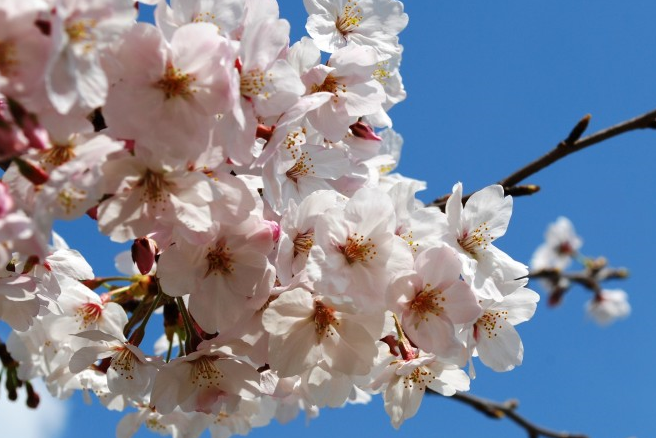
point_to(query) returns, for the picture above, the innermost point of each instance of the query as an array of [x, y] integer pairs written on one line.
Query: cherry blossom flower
[[374, 23], [432, 300], [561, 244], [306, 329], [472, 230], [493, 335], [226, 15], [356, 252], [81, 32], [348, 76], [406, 381], [179, 87], [206, 380], [297, 232], [24, 49], [228, 277], [608, 306]]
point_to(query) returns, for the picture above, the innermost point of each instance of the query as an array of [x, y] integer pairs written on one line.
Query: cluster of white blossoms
[[560, 248], [294, 270]]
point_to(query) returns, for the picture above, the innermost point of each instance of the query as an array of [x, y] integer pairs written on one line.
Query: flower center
[[329, 85], [81, 32], [205, 373], [253, 82], [206, 17], [428, 301], [324, 318], [124, 363], [382, 74], [349, 19], [301, 168], [59, 154], [88, 314], [175, 83], [419, 378], [303, 242], [218, 260], [154, 185], [68, 198], [490, 322], [357, 250], [477, 240]]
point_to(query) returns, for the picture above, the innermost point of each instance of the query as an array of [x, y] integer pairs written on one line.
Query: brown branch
[[508, 409], [573, 143], [590, 278]]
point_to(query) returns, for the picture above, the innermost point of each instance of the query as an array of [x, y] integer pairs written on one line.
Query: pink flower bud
[[364, 131], [275, 229], [144, 251]]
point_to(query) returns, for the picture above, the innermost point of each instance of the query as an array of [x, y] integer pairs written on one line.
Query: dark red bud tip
[[364, 131], [93, 212], [93, 283], [32, 172], [44, 26], [391, 342], [264, 132], [33, 397], [144, 251], [556, 297], [274, 227]]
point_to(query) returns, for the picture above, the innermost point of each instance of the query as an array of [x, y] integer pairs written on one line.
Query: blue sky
[[491, 86]]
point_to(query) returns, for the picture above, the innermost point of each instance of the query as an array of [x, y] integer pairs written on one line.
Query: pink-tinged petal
[[289, 312], [282, 90], [172, 385], [332, 120], [296, 352], [260, 53], [438, 267], [350, 349], [171, 261], [461, 303]]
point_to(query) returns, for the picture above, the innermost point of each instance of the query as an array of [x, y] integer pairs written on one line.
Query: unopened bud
[[31, 262], [144, 251], [31, 171], [264, 132], [33, 398], [364, 131], [275, 229]]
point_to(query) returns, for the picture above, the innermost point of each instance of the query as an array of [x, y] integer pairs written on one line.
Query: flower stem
[[193, 339]]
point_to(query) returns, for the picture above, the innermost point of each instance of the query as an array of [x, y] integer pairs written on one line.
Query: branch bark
[[508, 409], [573, 143]]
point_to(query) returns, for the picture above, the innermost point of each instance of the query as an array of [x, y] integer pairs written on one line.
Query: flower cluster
[[294, 271], [556, 254]]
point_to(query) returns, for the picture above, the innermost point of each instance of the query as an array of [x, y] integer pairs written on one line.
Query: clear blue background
[[492, 86]]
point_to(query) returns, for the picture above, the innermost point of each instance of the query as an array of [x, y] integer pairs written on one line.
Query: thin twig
[[566, 147], [508, 409]]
